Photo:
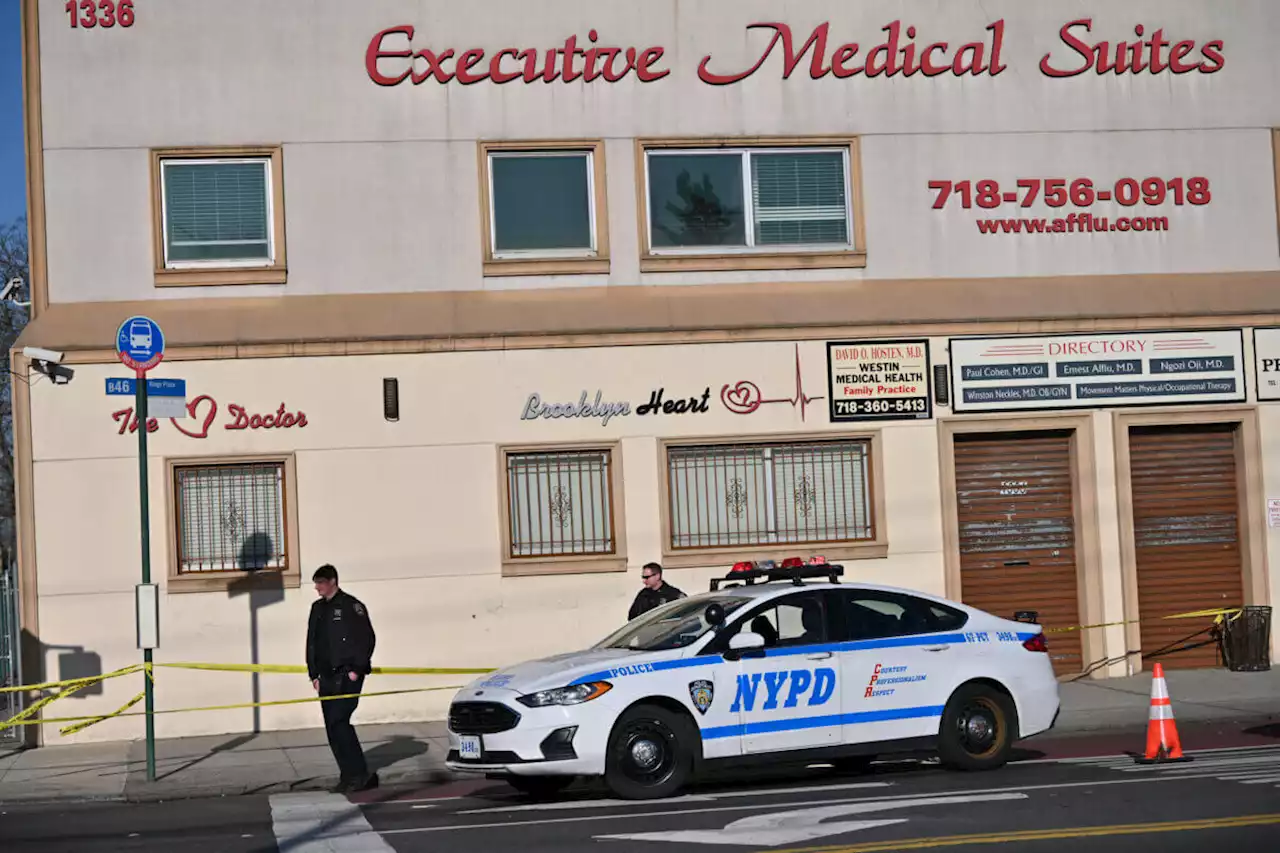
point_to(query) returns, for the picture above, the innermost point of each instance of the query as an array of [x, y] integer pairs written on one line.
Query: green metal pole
[[140, 397]]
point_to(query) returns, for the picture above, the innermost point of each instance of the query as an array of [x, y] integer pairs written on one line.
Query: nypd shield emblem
[[701, 692]]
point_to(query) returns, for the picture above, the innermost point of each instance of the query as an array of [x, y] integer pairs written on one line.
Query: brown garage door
[[1186, 533], [1017, 532]]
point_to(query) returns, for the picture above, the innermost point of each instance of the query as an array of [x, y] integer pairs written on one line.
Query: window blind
[[799, 198], [216, 211]]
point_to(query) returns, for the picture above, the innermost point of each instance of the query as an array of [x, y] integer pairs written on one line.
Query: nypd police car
[[773, 663]]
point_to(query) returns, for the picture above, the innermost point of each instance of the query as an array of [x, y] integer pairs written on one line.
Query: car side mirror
[[746, 643]]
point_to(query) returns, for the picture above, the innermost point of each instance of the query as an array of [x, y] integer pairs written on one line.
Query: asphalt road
[[1224, 798]]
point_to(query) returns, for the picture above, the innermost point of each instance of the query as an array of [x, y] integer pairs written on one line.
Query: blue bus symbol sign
[[140, 343]]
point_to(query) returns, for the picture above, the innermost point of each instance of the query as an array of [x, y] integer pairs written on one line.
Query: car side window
[[794, 620], [874, 615], [797, 620]]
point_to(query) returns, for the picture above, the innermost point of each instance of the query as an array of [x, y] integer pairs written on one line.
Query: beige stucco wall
[[381, 183], [409, 512]]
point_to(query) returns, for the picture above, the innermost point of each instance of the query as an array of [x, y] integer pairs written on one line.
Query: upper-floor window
[[750, 207], [219, 217], [544, 208]]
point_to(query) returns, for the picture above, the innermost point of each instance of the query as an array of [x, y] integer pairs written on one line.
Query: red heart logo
[[192, 408], [741, 399]]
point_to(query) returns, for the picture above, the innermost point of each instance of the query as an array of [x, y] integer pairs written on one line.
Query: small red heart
[[742, 398], [192, 407]]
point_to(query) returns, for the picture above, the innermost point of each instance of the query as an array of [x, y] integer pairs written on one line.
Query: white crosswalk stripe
[[1258, 765]]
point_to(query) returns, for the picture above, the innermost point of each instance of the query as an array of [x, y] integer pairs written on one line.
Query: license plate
[[469, 747]]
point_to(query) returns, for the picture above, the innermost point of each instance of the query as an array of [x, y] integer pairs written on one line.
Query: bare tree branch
[[13, 318]]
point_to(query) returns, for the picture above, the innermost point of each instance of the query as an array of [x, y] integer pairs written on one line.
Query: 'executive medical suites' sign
[[1101, 370]]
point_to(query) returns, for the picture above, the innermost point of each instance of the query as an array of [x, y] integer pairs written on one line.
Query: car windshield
[[672, 626]]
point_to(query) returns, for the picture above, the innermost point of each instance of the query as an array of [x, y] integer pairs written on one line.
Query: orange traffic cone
[[1163, 744]]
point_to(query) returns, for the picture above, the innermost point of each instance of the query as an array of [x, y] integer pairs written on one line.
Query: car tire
[[539, 787], [977, 729], [650, 753]]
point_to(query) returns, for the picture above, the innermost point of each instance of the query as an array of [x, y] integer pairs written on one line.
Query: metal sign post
[[140, 345]]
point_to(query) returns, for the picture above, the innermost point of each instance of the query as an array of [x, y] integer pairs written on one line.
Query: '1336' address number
[[88, 14]]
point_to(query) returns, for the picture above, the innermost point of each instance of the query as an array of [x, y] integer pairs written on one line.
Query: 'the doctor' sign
[[1097, 371]]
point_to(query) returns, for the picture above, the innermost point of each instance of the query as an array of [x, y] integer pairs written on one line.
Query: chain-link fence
[[10, 673]]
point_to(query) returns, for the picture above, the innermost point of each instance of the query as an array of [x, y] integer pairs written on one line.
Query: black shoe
[[343, 786], [370, 782]]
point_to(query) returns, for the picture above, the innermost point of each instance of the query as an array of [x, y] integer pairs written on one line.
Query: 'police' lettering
[[822, 681]]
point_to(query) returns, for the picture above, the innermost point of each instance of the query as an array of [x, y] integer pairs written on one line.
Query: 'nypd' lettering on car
[[823, 682]]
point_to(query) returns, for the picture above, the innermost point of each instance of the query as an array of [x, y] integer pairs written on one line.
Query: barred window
[[231, 517], [766, 494], [560, 503]]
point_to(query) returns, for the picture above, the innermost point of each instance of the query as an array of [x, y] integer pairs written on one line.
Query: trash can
[[1246, 640]]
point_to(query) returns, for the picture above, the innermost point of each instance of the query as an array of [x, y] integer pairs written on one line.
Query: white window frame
[[538, 254], [248, 263], [745, 152]]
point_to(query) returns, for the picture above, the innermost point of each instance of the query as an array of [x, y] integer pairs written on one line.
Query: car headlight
[[574, 695]]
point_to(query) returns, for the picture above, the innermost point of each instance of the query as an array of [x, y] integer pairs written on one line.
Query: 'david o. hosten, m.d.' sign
[[1097, 370]]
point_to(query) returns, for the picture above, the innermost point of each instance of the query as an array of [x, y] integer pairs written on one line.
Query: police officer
[[340, 641], [656, 592]]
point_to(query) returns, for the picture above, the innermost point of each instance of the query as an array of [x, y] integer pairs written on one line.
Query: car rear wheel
[[650, 753], [977, 729], [539, 787]]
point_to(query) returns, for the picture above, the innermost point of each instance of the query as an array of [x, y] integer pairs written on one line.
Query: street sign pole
[[144, 493], [140, 345]]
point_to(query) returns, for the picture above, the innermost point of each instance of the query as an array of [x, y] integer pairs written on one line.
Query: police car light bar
[[793, 569]]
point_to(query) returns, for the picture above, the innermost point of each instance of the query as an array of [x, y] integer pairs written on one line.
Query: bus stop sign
[[140, 343]]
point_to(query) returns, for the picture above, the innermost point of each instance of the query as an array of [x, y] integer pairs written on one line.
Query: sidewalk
[[274, 762]]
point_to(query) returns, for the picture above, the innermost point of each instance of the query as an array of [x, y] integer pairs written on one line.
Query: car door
[[789, 697], [897, 663]]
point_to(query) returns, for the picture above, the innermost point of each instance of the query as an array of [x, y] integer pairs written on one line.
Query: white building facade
[[488, 306]]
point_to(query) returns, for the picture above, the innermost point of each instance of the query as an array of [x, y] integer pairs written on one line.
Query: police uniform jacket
[[647, 599], [340, 637]]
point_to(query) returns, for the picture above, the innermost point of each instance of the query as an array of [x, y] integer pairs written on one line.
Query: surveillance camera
[[38, 354], [9, 288]]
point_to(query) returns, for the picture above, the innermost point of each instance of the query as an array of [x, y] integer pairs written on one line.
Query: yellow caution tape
[[85, 722], [1219, 613], [296, 669], [69, 686]]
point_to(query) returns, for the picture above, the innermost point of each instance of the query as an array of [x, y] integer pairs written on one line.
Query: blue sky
[[13, 168]]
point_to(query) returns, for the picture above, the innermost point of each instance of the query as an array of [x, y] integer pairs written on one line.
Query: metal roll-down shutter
[[1186, 534], [1017, 532]]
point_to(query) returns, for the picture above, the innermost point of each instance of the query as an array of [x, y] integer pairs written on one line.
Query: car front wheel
[[977, 729], [650, 753]]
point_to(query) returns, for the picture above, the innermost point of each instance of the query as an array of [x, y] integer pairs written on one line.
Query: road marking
[[1046, 834], [689, 798], [322, 823], [789, 827], [1227, 765], [1126, 780], [1128, 757]]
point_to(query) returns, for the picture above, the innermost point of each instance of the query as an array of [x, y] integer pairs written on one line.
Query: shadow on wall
[[263, 587]]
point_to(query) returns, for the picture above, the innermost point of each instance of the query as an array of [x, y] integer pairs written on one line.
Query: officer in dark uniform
[[340, 641], [656, 592]]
